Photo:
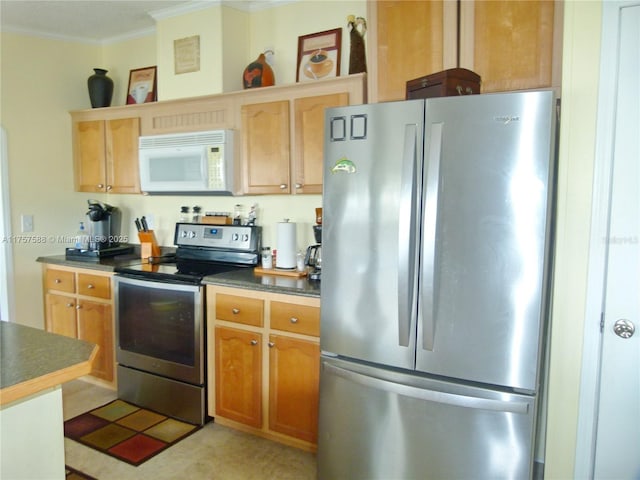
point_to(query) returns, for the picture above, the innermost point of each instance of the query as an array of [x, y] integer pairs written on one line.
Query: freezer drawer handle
[[428, 395]]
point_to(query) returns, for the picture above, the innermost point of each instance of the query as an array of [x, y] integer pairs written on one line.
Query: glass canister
[[267, 258]]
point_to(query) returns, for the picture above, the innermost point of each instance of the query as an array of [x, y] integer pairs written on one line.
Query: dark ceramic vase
[[100, 88], [258, 74]]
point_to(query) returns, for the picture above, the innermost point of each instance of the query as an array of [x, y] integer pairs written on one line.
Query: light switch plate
[[26, 223]]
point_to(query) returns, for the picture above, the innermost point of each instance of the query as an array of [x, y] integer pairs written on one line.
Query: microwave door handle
[[205, 167]]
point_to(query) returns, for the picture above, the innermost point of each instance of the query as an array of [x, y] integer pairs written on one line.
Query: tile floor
[[212, 453]]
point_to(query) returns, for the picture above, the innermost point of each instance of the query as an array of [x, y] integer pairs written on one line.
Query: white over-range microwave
[[188, 163]]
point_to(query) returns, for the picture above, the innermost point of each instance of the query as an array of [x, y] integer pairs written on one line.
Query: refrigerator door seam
[[429, 395]]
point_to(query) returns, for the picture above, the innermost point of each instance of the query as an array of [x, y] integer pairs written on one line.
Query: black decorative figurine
[[357, 58]]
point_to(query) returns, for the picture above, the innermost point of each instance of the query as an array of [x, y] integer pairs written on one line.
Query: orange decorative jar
[[258, 74]]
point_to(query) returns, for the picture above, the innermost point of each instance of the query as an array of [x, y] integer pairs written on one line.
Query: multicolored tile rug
[[127, 432]]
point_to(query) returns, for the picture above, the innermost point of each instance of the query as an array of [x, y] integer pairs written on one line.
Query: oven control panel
[[231, 237]]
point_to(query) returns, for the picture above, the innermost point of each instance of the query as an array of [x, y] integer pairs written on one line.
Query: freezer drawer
[[383, 424]]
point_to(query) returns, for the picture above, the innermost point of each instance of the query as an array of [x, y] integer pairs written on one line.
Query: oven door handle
[[150, 282]]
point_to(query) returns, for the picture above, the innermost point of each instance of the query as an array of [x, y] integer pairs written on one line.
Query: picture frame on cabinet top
[[142, 85], [319, 55]]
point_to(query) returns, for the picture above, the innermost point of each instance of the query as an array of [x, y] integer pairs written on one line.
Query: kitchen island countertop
[[33, 360]]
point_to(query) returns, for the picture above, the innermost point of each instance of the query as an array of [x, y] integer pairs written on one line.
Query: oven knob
[[183, 234], [191, 234], [235, 237], [245, 237]]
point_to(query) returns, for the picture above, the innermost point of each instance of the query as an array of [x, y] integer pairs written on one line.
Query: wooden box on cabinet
[[452, 82]]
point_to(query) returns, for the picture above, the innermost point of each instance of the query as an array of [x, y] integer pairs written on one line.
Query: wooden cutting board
[[276, 271]]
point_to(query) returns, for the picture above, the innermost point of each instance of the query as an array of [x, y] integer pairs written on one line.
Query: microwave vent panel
[[214, 137]]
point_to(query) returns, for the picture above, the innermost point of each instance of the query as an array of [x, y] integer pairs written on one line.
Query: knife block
[[148, 245]]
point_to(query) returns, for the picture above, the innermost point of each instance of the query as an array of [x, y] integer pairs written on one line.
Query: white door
[[618, 424]]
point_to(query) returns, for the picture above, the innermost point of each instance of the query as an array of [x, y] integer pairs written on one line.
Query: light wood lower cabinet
[[78, 304], [264, 363]]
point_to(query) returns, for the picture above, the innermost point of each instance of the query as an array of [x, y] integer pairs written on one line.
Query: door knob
[[624, 328]]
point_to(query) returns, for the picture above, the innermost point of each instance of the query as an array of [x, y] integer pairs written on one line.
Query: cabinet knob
[[109, 187], [69, 304], [293, 320], [78, 307], [90, 286], [271, 344], [57, 280], [298, 185], [283, 186], [101, 185], [254, 342], [235, 311]]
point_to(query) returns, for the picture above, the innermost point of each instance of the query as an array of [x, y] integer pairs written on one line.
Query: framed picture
[[142, 85], [319, 55]]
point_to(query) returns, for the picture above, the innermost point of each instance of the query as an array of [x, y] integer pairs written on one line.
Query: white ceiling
[[100, 21]]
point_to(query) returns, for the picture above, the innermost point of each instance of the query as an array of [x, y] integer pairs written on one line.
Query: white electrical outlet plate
[[26, 223]]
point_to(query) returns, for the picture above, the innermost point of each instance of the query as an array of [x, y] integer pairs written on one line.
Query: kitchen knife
[[138, 224], [145, 227]]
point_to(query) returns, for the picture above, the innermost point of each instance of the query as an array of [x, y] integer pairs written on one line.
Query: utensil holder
[[148, 245]]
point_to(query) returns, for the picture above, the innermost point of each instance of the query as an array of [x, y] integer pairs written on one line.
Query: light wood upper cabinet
[[106, 155], [265, 148], [512, 45], [509, 44], [309, 140], [410, 43]]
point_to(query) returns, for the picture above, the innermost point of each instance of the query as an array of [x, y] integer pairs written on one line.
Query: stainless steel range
[[160, 319]]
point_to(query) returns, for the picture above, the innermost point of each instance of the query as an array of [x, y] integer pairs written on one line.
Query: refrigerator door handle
[[452, 399], [407, 224], [429, 225]]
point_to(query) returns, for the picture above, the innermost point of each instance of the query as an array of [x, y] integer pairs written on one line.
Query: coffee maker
[[314, 253], [104, 223], [103, 233]]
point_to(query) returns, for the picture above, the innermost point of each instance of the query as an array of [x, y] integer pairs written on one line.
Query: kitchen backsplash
[[164, 211]]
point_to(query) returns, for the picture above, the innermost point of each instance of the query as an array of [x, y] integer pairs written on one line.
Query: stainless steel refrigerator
[[436, 251]]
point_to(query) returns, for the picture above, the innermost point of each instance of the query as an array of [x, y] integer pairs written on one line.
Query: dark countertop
[[104, 264], [33, 360], [246, 278]]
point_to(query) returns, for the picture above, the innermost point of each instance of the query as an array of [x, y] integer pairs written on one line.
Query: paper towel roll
[[286, 242]]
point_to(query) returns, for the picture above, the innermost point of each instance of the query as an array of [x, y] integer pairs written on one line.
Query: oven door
[[160, 328]]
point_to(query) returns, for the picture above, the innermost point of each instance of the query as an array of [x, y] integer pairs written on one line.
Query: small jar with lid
[[267, 258], [184, 215]]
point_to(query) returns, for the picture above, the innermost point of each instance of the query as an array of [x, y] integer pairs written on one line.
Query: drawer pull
[[78, 307], [90, 286], [69, 304], [254, 342], [57, 280], [271, 344], [293, 320], [235, 311]]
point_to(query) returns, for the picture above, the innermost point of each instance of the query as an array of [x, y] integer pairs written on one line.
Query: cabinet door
[[89, 156], [309, 146], [509, 44], [265, 148], [294, 369], [122, 155], [61, 315], [238, 364], [410, 44], [95, 326]]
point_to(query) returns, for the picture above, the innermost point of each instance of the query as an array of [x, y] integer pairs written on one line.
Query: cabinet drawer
[[290, 317], [60, 280], [94, 285], [239, 309]]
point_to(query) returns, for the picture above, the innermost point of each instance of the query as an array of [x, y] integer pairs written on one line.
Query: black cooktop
[[191, 272]]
